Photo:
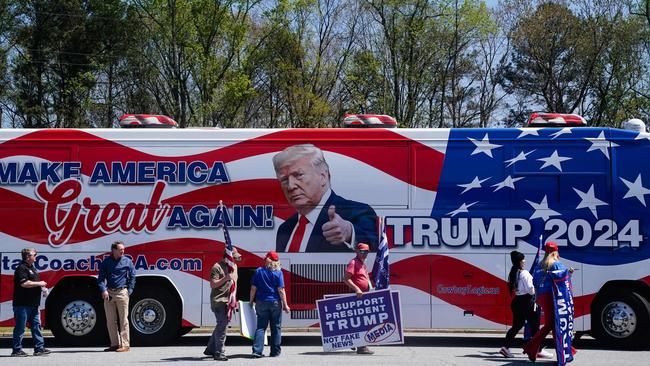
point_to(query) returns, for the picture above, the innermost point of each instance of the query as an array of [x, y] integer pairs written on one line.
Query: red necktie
[[294, 247]]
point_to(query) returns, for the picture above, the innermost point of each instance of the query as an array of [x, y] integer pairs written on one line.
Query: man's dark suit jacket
[[361, 215]]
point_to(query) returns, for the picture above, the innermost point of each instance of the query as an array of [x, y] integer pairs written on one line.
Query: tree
[[113, 28], [221, 28], [550, 62], [494, 48], [617, 71]]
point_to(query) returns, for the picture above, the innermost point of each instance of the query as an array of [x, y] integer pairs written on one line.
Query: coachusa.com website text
[[45, 263]]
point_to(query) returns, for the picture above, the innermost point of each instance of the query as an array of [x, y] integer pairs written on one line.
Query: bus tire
[[78, 318], [621, 318], [154, 316]]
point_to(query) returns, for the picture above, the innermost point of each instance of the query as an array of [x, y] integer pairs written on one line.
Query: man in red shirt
[[357, 279]]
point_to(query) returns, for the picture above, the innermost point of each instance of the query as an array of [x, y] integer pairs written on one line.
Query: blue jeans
[[268, 312], [23, 314]]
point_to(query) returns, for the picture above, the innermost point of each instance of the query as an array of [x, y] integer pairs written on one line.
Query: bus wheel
[[154, 316], [79, 318], [621, 318]]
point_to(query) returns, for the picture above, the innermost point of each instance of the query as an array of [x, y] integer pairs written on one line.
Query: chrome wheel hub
[[78, 318], [148, 316], [619, 319]]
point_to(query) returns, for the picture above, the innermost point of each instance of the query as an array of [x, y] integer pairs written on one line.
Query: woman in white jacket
[[520, 283]]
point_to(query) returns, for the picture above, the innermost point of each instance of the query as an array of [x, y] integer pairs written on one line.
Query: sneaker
[[111, 349], [257, 355], [220, 357], [207, 353], [544, 354], [20, 353], [364, 351], [505, 352], [42, 352]]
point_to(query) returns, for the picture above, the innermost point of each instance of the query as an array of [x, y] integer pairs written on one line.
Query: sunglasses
[[31, 255], [363, 251]]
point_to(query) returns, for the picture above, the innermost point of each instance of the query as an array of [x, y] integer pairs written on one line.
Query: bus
[[455, 203]]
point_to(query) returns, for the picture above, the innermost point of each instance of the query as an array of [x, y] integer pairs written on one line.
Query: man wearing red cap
[[357, 279], [267, 293], [220, 281]]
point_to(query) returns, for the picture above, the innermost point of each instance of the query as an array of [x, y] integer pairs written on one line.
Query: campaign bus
[[455, 203]]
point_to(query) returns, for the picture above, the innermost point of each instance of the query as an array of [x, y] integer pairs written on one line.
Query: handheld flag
[[563, 308], [380, 269], [230, 261], [533, 266]]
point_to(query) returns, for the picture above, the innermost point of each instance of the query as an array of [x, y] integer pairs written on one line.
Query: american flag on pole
[[533, 267], [380, 269], [230, 262]]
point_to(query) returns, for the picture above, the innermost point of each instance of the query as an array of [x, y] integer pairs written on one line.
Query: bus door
[[469, 291]]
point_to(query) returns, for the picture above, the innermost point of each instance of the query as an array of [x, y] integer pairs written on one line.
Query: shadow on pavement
[[295, 340]]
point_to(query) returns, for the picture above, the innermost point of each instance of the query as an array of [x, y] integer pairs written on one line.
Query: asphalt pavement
[[306, 349]]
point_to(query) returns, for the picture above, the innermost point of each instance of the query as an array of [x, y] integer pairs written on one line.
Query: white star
[[553, 160], [541, 210], [528, 131], [522, 156], [461, 209], [561, 132], [599, 143], [476, 183], [588, 200], [642, 135], [508, 182], [636, 189], [483, 146]]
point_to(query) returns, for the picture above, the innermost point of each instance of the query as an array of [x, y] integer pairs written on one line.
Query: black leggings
[[522, 310]]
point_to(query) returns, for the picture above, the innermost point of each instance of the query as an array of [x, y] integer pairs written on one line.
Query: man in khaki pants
[[116, 282]]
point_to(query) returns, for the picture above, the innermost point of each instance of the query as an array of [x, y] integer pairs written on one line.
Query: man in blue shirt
[[116, 282]]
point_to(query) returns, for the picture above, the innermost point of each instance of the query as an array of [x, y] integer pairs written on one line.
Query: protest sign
[[347, 321]]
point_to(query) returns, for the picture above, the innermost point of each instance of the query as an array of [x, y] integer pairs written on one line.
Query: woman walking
[[550, 263], [520, 282], [267, 293]]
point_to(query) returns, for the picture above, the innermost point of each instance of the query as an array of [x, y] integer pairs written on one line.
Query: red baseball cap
[[272, 255], [362, 246], [550, 247]]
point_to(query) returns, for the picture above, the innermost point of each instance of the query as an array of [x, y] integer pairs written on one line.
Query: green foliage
[[304, 63]]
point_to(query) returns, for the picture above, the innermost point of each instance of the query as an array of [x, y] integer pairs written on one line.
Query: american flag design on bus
[[436, 188], [561, 189]]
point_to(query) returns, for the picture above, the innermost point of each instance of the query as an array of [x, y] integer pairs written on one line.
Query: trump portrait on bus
[[324, 221]]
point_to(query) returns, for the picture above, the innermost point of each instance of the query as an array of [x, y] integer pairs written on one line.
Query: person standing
[[541, 277], [116, 282], [520, 283], [220, 281], [27, 297], [267, 293], [357, 279]]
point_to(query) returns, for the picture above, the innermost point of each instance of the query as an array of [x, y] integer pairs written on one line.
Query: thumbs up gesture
[[336, 230]]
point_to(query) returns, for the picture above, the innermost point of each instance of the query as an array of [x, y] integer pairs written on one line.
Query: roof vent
[[634, 124], [146, 121], [539, 119], [369, 121]]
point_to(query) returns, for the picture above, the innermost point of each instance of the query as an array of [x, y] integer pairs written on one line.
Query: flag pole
[[230, 261]]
